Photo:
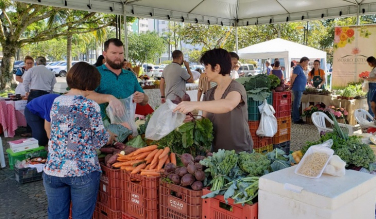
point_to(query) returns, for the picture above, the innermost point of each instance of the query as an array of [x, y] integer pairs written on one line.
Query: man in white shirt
[[268, 67], [234, 61]]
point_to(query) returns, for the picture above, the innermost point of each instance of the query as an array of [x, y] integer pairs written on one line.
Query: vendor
[[372, 82], [317, 76], [225, 105]]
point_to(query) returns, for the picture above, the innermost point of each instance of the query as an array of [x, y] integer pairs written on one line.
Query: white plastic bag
[[127, 117], [268, 123], [365, 86], [164, 121], [335, 167]]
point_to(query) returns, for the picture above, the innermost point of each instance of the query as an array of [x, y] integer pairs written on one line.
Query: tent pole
[[236, 38], [125, 35], [357, 16]]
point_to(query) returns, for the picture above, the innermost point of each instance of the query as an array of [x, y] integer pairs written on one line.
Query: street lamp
[[305, 39]]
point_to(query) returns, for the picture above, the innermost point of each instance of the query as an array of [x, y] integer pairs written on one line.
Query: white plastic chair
[[318, 119], [363, 118]]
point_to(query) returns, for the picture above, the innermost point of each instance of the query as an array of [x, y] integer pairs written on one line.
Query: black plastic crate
[[285, 146], [26, 175]]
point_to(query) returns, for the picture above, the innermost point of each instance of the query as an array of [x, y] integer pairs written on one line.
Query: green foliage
[[137, 142], [195, 56], [258, 87], [254, 164], [145, 47], [279, 160], [274, 81]]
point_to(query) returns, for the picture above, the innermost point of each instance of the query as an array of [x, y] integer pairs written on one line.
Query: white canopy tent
[[279, 48]]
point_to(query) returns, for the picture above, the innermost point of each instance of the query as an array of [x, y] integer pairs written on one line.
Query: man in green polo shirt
[[116, 81]]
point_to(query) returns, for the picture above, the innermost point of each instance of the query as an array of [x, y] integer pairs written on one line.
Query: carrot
[[151, 156], [150, 174], [135, 161], [119, 164], [161, 162], [165, 152], [147, 167], [145, 149], [156, 156], [127, 168], [153, 166], [143, 155], [173, 158], [168, 160], [138, 168]]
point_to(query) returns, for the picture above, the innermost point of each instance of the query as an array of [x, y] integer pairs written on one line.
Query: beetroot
[[170, 168], [182, 171], [186, 159], [200, 175], [191, 168], [119, 145], [174, 178], [107, 150], [199, 166], [199, 158], [187, 180], [177, 99], [197, 186], [129, 149]]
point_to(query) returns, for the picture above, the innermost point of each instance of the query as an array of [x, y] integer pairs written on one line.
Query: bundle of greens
[[279, 160], [254, 164], [258, 87], [274, 81], [193, 137]]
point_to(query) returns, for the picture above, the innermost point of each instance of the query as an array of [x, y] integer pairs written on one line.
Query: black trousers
[[32, 95], [36, 124]]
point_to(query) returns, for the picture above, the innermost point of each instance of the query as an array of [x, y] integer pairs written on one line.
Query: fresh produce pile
[[236, 175], [112, 151], [349, 148], [258, 87], [191, 175]]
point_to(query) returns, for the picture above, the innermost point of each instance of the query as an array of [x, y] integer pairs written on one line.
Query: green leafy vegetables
[[258, 87]]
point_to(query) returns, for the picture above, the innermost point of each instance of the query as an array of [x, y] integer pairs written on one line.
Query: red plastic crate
[[111, 177], [140, 196], [179, 202], [282, 103], [104, 212], [113, 192], [111, 202], [258, 141], [284, 130], [216, 208], [126, 216]]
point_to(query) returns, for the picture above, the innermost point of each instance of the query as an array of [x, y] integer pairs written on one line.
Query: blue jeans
[[81, 191], [296, 105], [370, 94], [36, 124]]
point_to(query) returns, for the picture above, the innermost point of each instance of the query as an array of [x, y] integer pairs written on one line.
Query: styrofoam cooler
[[283, 194]]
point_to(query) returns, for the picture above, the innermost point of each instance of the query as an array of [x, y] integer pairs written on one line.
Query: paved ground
[[28, 201]]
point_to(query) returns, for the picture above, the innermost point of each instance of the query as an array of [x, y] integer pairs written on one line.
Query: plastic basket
[[284, 130], [285, 146], [253, 110], [216, 208], [110, 177], [25, 175], [104, 212], [112, 192], [258, 141], [111, 202], [265, 149], [179, 202], [13, 157], [282, 104], [126, 216], [140, 195]]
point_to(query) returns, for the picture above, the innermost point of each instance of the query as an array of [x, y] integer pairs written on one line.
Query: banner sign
[[352, 46]]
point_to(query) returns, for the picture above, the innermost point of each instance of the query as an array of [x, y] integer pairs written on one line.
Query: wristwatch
[[163, 97]]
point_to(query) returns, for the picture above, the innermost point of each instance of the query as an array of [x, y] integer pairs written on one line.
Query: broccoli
[[254, 164]]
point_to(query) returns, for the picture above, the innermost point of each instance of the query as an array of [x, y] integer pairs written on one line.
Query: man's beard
[[114, 65]]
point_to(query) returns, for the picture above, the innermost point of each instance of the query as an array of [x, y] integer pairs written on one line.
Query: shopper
[[234, 62], [372, 82], [268, 67], [100, 61], [37, 114], [72, 170], [225, 104], [174, 77], [317, 76], [29, 63], [277, 71], [298, 84]]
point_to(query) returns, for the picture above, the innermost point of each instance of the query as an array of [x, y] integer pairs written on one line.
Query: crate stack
[[140, 196], [282, 107], [109, 201], [260, 144]]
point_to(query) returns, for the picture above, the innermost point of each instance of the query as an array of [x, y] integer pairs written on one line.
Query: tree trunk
[[6, 73], [69, 51]]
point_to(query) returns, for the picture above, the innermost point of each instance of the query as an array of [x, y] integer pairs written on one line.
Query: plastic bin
[[253, 110], [179, 202], [104, 212], [215, 208], [282, 104], [284, 130], [285, 146], [126, 216], [111, 202], [258, 141], [265, 149], [13, 157], [140, 195], [26, 175], [110, 177]]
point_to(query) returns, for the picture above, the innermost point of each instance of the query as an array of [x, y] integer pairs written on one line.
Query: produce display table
[[12, 116], [155, 96], [328, 100], [283, 194]]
